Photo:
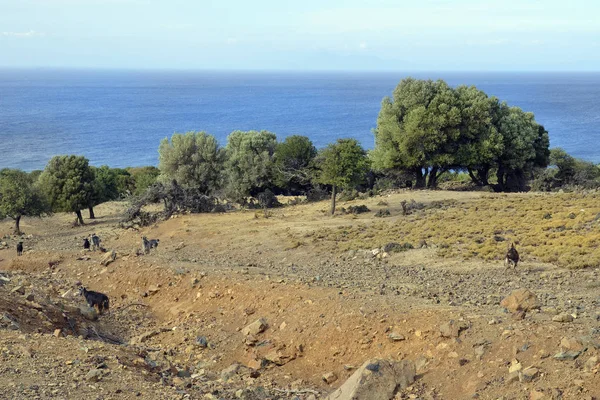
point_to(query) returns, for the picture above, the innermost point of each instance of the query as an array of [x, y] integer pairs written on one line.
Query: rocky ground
[[238, 306]]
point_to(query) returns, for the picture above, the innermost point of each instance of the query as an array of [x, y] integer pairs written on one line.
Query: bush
[[383, 213], [361, 209]]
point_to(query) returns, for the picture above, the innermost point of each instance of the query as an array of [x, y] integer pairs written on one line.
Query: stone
[[376, 379], [528, 374], [591, 364], [230, 372], [109, 257], [258, 326], [18, 289], [515, 366], [520, 300], [202, 341], [563, 317], [512, 377], [396, 337], [571, 344], [94, 375], [452, 329], [180, 246], [153, 289], [57, 332], [30, 297], [537, 395], [88, 313], [567, 355], [329, 377], [279, 356]]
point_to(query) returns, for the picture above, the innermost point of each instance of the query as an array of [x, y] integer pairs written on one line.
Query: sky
[[429, 35]]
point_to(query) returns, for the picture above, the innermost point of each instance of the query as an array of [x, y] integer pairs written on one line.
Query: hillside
[[331, 297]]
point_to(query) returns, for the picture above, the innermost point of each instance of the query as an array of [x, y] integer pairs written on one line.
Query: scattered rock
[[180, 246], [230, 372], [152, 289], [520, 300], [452, 329], [108, 258], [571, 344], [396, 337], [94, 375], [202, 341], [88, 313], [18, 289], [591, 364], [563, 317], [329, 377], [529, 374], [376, 380], [258, 326], [567, 355], [30, 297], [537, 395]]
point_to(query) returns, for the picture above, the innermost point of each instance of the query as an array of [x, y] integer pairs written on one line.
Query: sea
[[119, 117]]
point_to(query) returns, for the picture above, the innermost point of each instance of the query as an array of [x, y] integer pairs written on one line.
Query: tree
[[143, 177], [68, 182], [293, 162], [249, 165], [417, 130], [193, 159], [343, 164], [109, 184], [20, 197]]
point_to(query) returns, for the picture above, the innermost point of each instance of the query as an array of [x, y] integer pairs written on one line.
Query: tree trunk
[[483, 175], [433, 176], [421, 179], [475, 179], [333, 194], [500, 175], [17, 223], [91, 209], [79, 217]]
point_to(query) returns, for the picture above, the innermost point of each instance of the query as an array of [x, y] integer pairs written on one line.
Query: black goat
[[512, 257], [95, 299], [19, 248], [86, 244]]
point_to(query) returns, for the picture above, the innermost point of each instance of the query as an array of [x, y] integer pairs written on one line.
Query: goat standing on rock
[[95, 299]]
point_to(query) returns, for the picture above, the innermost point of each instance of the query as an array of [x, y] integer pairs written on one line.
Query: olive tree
[[68, 182], [293, 162], [20, 197], [193, 159], [344, 165]]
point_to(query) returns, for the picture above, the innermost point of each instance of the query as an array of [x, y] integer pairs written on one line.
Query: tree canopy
[[68, 182], [20, 197], [293, 162], [343, 164], [193, 159], [249, 165], [428, 127]]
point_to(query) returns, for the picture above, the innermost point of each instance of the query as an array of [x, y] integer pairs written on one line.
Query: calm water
[[119, 117]]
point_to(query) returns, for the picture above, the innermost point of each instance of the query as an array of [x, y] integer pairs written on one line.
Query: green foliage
[[20, 196], [193, 159], [109, 184], [249, 164], [566, 172], [293, 162], [428, 127], [343, 164], [68, 182], [143, 178]]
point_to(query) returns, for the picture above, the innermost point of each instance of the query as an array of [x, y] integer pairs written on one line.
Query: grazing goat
[[95, 299], [19, 248], [149, 244], [86, 244], [512, 257], [95, 242]]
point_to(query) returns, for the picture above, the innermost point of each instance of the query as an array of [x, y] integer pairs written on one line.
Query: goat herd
[[96, 299]]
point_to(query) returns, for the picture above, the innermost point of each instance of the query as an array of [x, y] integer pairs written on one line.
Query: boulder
[[88, 313], [452, 329], [563, 317], [256, 327], [109, 257], [376, 379], [520, 300]]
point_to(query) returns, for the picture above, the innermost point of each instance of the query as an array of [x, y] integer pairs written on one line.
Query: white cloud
[[28, 34]]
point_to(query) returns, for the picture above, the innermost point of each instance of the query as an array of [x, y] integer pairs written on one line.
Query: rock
[[202, 341], [256, 327], [452, 329], [512, 377], [520, 300], [108, 258], [571, 344], [563, 317], [515, 366], [537, 395], [18, 289], [94, 375], [591, 364], [152, 289], [57, 332], [88, 313], [566, 355], [30, 297], [396, 337], [376, 379], [279, 356], [329, 377], [180, 246], [528, 374], [230, 372]]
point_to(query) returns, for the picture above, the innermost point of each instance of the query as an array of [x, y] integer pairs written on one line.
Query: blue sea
[[119, 117]]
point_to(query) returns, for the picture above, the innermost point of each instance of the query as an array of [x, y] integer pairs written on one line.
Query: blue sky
[[508, 35]]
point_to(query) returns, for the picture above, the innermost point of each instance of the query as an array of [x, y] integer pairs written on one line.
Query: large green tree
[[293, 163], [249, 165], [109, 184], [193, 159], [20, 197], [417, 130], [343, 165], [143, 177], [68, 182]]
